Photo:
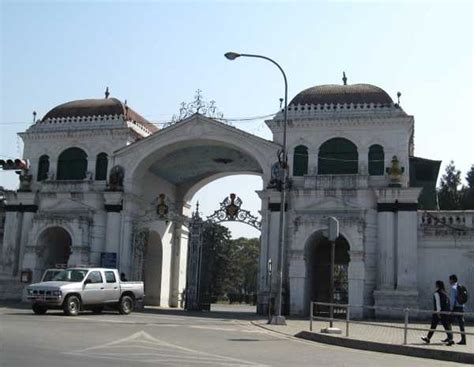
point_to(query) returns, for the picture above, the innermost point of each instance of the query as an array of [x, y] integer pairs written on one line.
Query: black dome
[[97, 107], [334, 94]]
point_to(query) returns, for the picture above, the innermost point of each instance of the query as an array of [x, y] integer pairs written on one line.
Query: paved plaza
[[164, 337]]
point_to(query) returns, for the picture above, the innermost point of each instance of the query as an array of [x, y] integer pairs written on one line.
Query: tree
[[468, 191], [449, 195], [229, 267], [214, 261]]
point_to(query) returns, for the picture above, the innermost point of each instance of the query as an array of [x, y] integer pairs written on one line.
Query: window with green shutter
[[72, 164], [43, 168], [376, 160], [338, 156], [300, 161], [101, 167]]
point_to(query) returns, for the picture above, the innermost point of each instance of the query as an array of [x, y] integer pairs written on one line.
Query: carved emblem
[[161, 207], [117, 174], [395, 172]]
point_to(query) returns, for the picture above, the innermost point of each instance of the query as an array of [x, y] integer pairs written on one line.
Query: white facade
[[391, 246]]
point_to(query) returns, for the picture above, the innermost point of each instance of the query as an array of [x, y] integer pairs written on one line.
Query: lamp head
[[231, 55]]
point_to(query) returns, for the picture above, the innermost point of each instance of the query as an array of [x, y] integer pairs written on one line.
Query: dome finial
[[107, 94], [344, 78], [399, 94]]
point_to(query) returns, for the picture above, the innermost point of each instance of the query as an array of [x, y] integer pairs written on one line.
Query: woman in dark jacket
[[440, 303]]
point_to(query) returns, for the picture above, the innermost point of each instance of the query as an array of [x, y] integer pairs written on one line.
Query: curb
[[442, 355]]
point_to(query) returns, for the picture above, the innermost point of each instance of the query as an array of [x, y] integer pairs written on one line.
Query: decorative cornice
[[343, 121]]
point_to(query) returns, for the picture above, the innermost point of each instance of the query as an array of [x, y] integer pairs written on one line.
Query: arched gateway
[[162, 174]]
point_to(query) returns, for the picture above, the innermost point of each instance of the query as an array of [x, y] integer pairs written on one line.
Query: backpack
[[461, 295]]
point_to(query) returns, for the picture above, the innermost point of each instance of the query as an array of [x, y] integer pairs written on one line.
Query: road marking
[[132, 348]]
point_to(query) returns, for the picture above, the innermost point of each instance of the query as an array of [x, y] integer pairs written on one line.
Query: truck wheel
[[97, 309], [72, 305], [126, 304], [38, 309]]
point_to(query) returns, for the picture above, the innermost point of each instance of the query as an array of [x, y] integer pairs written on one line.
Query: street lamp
[[278, 318]]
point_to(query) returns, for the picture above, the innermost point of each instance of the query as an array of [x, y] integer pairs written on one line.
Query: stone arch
[[338, 156], [153, 268], [54, 246], [317, 258], [195, 131], [193, 189], [72, 164]]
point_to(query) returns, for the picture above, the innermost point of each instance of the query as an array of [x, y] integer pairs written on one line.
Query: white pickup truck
[[79, 289]]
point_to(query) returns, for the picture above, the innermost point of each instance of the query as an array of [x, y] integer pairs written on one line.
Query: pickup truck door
[[112, 287], [93, 292]]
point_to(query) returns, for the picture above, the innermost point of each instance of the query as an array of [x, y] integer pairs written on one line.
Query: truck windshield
[[71, 275], [49, 275]]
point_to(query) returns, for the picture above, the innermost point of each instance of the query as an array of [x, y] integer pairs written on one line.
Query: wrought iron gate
[[230, 211]]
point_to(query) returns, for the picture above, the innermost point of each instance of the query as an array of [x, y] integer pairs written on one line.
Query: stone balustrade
[[66, 186], [334, 182], [447, 222]]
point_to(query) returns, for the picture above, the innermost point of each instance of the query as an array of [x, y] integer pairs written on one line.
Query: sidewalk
[[381, 338]]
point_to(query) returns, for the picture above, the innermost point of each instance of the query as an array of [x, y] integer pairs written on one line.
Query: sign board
[[333, 229], [108, 260]]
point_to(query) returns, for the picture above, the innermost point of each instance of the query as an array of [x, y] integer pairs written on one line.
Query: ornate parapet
[[334, 182], [66, 186], [450, 223]]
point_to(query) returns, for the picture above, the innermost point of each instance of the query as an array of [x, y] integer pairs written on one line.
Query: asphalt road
[[166, 338]]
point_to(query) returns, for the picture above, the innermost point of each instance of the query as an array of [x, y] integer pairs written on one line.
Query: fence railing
[[393, 310]]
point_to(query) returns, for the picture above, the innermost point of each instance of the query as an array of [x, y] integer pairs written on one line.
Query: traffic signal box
[[14, 165]]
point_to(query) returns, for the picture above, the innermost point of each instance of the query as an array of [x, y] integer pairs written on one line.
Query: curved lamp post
[[278, 318]]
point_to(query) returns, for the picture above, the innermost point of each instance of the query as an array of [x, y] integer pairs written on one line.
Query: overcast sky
[[156, 54]]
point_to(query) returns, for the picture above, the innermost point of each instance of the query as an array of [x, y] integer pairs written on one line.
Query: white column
[[9, 242], [407, 250], [113, 229], [385, 250], [25, 231], [299, 302]]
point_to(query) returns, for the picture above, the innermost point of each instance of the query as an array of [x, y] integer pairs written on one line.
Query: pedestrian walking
[[440, 303], [457, 298]]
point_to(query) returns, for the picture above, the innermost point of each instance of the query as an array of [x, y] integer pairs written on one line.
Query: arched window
[[101, 167], [300, 161], [376, 160], [43, 168], [338, 156], [72, 164]]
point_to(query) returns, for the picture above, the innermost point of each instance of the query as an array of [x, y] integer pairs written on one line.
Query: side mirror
[[87, 281]]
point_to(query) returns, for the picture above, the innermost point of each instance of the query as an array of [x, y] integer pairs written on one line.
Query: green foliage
[[229, 267], [468, 191], [450, 195]]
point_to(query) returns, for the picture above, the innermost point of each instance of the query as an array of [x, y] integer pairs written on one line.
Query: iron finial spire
[[107, 94], [34, 116], [344, 78], [399, 94]]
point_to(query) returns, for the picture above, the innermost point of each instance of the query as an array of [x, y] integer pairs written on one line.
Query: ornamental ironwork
[[231, 211], [208, 109]]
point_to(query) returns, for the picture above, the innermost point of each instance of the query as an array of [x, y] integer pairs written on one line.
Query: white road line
[[159, 346]]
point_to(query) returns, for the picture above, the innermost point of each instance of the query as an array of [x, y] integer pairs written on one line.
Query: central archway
[[318, 265], [165, 170]]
